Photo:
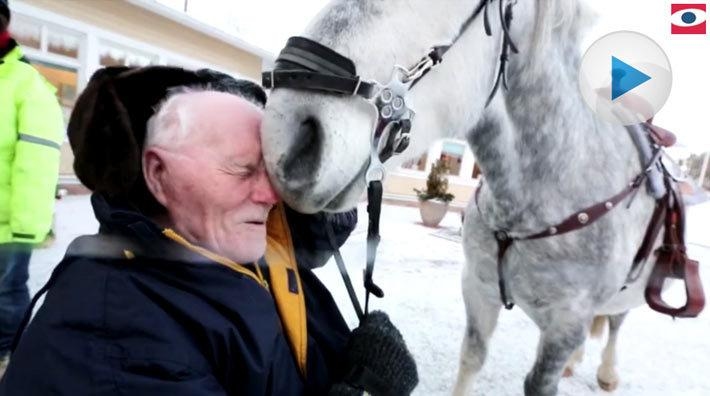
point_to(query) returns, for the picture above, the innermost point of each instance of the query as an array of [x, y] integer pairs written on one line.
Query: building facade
[[68, 40]]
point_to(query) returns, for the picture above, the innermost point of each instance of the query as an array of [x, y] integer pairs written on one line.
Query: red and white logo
[[688, 19]]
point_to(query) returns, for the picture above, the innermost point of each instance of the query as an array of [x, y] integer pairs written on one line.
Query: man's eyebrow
[[241, 161], [236, 163], [232, 164]]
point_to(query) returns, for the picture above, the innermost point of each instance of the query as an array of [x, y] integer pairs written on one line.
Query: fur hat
[[108, 124]]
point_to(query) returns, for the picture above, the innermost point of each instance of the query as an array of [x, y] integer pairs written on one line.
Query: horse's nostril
[[304, 155], [309, 127]]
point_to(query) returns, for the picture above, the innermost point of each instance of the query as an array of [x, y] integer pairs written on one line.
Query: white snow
[[420, 274]]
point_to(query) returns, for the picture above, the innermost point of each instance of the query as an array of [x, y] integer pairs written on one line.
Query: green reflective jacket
[[31, 132]]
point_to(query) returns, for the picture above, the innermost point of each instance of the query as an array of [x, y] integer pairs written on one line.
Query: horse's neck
[[543, 153]]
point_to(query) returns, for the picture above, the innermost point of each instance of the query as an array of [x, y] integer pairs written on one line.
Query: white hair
[[173, 120], [171, 123]]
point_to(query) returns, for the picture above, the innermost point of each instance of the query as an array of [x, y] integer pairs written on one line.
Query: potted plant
[[434, 200]]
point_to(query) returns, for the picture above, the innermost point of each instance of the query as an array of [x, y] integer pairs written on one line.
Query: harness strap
[[343, 271], [590, 214], [574, 222], [654, 228], [673, 262], [315, 81], [504, 242], [374, 206], [437, 53], [505, 18]]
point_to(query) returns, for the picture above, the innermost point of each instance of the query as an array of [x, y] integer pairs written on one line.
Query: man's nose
[[264, 192]]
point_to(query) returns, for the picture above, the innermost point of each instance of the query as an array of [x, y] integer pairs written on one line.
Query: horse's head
[[317, 145]]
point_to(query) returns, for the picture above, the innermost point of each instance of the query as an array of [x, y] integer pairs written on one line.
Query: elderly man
[[192, 286]]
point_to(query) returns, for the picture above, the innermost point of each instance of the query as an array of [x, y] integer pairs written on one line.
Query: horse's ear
[[106, 154]]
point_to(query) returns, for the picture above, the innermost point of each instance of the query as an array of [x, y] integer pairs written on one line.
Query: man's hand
[[378, 360]]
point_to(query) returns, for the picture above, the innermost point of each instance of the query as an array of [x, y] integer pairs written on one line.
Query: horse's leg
[[596, 331], [607, 377], [576, 358], [482, 309], [559, 338]]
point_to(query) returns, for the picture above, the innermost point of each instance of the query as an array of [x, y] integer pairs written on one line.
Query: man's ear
[[156, 173]]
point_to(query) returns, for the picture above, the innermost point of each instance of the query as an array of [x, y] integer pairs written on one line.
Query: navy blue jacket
[[170, 322]]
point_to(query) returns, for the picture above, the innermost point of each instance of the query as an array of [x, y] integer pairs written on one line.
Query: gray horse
[[543, 153]]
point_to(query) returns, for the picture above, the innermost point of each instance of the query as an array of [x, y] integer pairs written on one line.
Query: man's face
[[214, 183]]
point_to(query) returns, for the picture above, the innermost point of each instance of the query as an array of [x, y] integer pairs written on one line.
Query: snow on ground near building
[[419, 269]]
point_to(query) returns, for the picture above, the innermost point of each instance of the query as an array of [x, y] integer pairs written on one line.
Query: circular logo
[[625, 77], [688, 17]]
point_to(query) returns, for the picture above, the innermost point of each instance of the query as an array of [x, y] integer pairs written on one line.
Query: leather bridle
[[308, 65]]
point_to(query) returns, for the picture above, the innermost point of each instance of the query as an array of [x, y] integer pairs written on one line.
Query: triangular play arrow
[[624, 77]]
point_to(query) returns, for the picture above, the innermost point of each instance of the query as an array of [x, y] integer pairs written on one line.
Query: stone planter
[[432, 211]]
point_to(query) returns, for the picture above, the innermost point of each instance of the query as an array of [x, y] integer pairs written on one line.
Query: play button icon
[[624, 77], [636, 85]]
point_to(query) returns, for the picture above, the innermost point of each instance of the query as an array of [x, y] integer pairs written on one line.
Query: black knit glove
[[377, 361]]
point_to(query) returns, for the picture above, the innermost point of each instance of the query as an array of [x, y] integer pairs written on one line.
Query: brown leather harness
[[671, 262]]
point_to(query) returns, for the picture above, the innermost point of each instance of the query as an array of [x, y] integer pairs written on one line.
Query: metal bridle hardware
[[417, 71], [308, 65], [390, 133]]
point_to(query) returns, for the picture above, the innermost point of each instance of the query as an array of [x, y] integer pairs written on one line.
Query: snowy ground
[[420, 271]]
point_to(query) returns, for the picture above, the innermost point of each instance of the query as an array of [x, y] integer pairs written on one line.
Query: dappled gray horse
[[543, 153]]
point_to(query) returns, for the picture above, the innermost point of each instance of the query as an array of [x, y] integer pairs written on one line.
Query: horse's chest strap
[[576, 221]]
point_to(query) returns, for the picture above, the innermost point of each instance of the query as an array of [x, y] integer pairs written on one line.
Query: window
[[63, 42], [452, 155], [116, 55], [64, 79], [26, 31], [47, 38]]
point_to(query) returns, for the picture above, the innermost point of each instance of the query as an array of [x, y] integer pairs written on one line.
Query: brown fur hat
[[108, 125]]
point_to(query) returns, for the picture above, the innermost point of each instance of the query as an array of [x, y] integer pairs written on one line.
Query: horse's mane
[[561, 18]]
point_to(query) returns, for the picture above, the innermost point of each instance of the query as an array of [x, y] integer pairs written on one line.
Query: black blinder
[[305, 64]]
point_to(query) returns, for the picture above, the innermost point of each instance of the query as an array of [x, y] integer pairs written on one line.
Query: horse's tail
[[598, 324]]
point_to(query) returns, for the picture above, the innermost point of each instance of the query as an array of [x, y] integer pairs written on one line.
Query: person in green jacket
[[31, 132]]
